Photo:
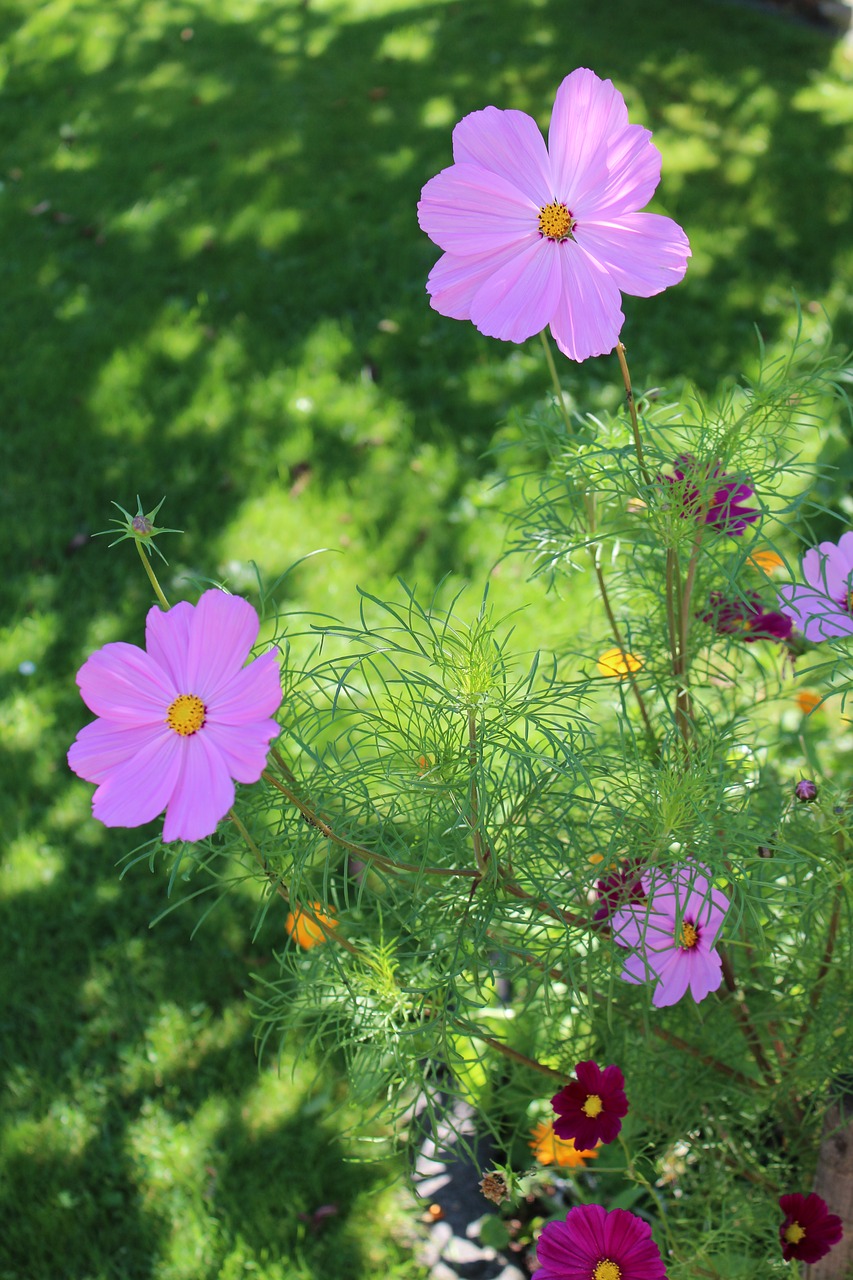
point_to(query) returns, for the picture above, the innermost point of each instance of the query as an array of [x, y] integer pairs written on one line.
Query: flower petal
[[100, 747], [643, 252], [672, 980], [816, 615], [468, 211], [626, 179], [520, 299], [140, 788], [589, 317], [123, 684], [253, 693], [587, 113], [244, 749], [510, 144], [705, 972], [167, 637], [222, 632], [203, 793], [453, 282]]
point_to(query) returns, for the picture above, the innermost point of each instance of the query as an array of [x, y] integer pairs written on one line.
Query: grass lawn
[[213, 288]]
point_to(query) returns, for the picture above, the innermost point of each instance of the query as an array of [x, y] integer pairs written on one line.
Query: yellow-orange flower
[[551, 1150], [306, 926], [615, 662], [766, 560], [807, 700]]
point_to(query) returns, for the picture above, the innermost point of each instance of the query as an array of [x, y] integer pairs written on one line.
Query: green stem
[[652, 1190], [617, 636], [632, 409], [520, 1058], [555, 381], [152, 577]]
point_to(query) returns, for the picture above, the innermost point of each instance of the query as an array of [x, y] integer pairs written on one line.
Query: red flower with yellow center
[[591, 1107]]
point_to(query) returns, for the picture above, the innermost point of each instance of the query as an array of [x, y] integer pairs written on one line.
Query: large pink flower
[[824, 608], [535, 235], [178, 723]]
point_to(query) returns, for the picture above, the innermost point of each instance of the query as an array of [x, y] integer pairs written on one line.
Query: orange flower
[[766, 560], [807, 700], [615, 662], [306, 926], [551, 1150]]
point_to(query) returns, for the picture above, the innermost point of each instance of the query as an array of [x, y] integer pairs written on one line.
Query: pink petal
[[223, 630], [243, 750], [635, 970], [706, 973], [253, 693], [520, 299], [818, 617], [589, 316], [100, 747], [167, 639], [453, 281], [828, 567], [203, 793], [625, 180], [672, 980], [643, 252], [140, 788], [468, 211], [507, 143], [587, 112], [123, 684]]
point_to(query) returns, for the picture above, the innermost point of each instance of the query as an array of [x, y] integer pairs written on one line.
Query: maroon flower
[[621, 885], [590, 1108], [809, 1231], [717, 499], [594, 1244], [746, 618]]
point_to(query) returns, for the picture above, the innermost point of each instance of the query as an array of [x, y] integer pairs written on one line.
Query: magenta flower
[[809, 1230], [824, 608], [620, 885], [591, 1108], [723, 498], [672, 936], [746, 618], [177, 723], [535, 235], [593, 1244]]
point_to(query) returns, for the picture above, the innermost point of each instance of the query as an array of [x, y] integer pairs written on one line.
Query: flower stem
[[480, 854], [555, 381], [152, 577], [632, 409], [636, 1176], [823, 970], [520, 1058], [744, 1020], [617, 636]]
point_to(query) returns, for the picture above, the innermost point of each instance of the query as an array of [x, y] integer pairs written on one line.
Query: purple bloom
[[591, 1108], [746, 618], [621, 885], [177, 723], [720, 500], [673, 935], [824, 608], [809, 1231], [593, 1244], [535, 235]]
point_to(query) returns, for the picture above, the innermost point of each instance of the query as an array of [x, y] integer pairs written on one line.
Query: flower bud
[[805, 791]]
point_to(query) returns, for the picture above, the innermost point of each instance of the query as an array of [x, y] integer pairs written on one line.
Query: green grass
[[213, 288]]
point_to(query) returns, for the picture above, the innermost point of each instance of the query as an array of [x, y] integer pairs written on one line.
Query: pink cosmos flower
[[535, 235], [824, 608], [593, 1244], [591, 1107], [809, 1230], [673, 934], [179, 722]]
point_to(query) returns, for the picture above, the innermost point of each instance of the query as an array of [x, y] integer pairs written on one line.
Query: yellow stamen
[[794, 1233], [555, 221], [689, 936], [186, 714], [606, 1270], [593, 1106]]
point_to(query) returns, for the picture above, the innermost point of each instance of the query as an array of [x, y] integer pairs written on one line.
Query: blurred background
[[213, 289]]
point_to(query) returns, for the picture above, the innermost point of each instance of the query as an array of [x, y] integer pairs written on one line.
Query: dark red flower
[[621, 885], [809, 1230], [590, 1108], [717, 499], [746, 618]]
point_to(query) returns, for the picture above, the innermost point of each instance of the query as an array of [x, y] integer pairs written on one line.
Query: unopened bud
[[805, 791], [142, 525]]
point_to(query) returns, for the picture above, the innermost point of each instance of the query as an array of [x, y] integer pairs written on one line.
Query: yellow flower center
[[794, 1233], [186, 714], [606, 1270], [689, 936], [555, 221], [593, 1106]]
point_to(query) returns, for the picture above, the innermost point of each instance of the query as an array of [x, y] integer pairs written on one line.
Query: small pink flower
[[593, 1244], [672, 936], [824, 608], [809, 1230], [536, 236], [591, 1107], [177, 723]]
